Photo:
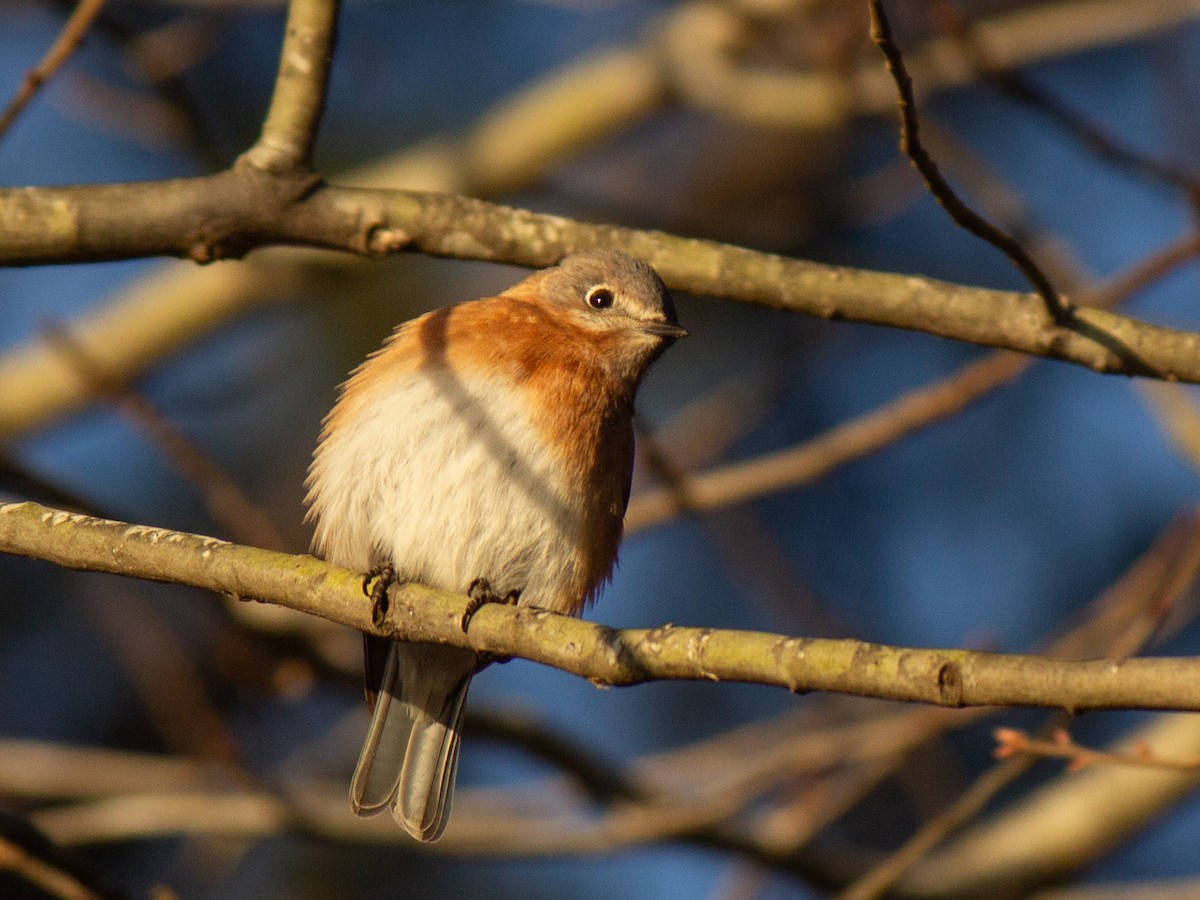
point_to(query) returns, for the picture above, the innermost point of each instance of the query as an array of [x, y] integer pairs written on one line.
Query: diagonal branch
[[68, 41], [910, 144], [604, 655], [1016, 85], [46, 874], [813, 459]]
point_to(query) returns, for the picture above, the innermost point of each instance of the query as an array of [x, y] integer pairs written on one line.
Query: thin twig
[[157, 57], [163, 674], [1057, 828], [963, 810], [1014, 742], [1146, 271], [715, 62], [1020, 87], [1130, 613], [841, 444], [31, 856], [591, 773], [1057, 306], [1003, 204], [169, 310], [68, 40]]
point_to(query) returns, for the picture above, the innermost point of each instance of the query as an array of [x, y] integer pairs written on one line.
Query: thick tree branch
[[791, 467], [603, 655], [521, 138], [231, 213]]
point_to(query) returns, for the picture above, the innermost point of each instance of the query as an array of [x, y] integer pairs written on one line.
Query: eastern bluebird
[[486, 448]]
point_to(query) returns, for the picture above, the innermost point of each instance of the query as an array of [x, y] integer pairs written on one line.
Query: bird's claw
[[480, 594], [375, 585]]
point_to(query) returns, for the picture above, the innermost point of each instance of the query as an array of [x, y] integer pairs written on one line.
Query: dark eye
[[600, 297]]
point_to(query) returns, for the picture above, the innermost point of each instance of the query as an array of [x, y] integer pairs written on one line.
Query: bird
[[485, 448]]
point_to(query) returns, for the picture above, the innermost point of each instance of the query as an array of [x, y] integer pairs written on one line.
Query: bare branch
[[290, 129], [617, 88], [965, 808], [1065, 824], [40, 770], [68, 40], [230, 213], [812, 459], [604, 655], [38, 870], [1018, 86], [854, 439], [176, 305], [704, 50], [680, 794], [1166, 569], [1014, 742], [680, 787], [223, 497], [1057, 306]]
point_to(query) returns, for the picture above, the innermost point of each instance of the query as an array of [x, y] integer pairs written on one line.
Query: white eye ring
[[600, 297]]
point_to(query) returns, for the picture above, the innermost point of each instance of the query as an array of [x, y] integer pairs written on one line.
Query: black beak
[[665, 329]]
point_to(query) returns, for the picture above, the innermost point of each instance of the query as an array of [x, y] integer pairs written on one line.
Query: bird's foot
[[481, 594], [375, 585]]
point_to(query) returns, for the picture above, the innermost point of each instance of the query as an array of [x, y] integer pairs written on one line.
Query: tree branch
[[67, 42], [43, 866], [812, 459], [803, 463], [233, 212], [1015, 742], [520, 138], [704, 49], [603, 655], [290, 129], [1058, 308]]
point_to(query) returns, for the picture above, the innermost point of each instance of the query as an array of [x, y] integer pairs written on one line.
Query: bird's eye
[[600, 297]]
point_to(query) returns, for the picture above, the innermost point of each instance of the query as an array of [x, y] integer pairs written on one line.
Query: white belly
[[450, 484]]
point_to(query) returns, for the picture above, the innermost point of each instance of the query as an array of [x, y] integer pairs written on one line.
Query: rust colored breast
[[582, 409], [579, 406]]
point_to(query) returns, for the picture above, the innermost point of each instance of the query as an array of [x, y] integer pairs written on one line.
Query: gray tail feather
[[410, 758]]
